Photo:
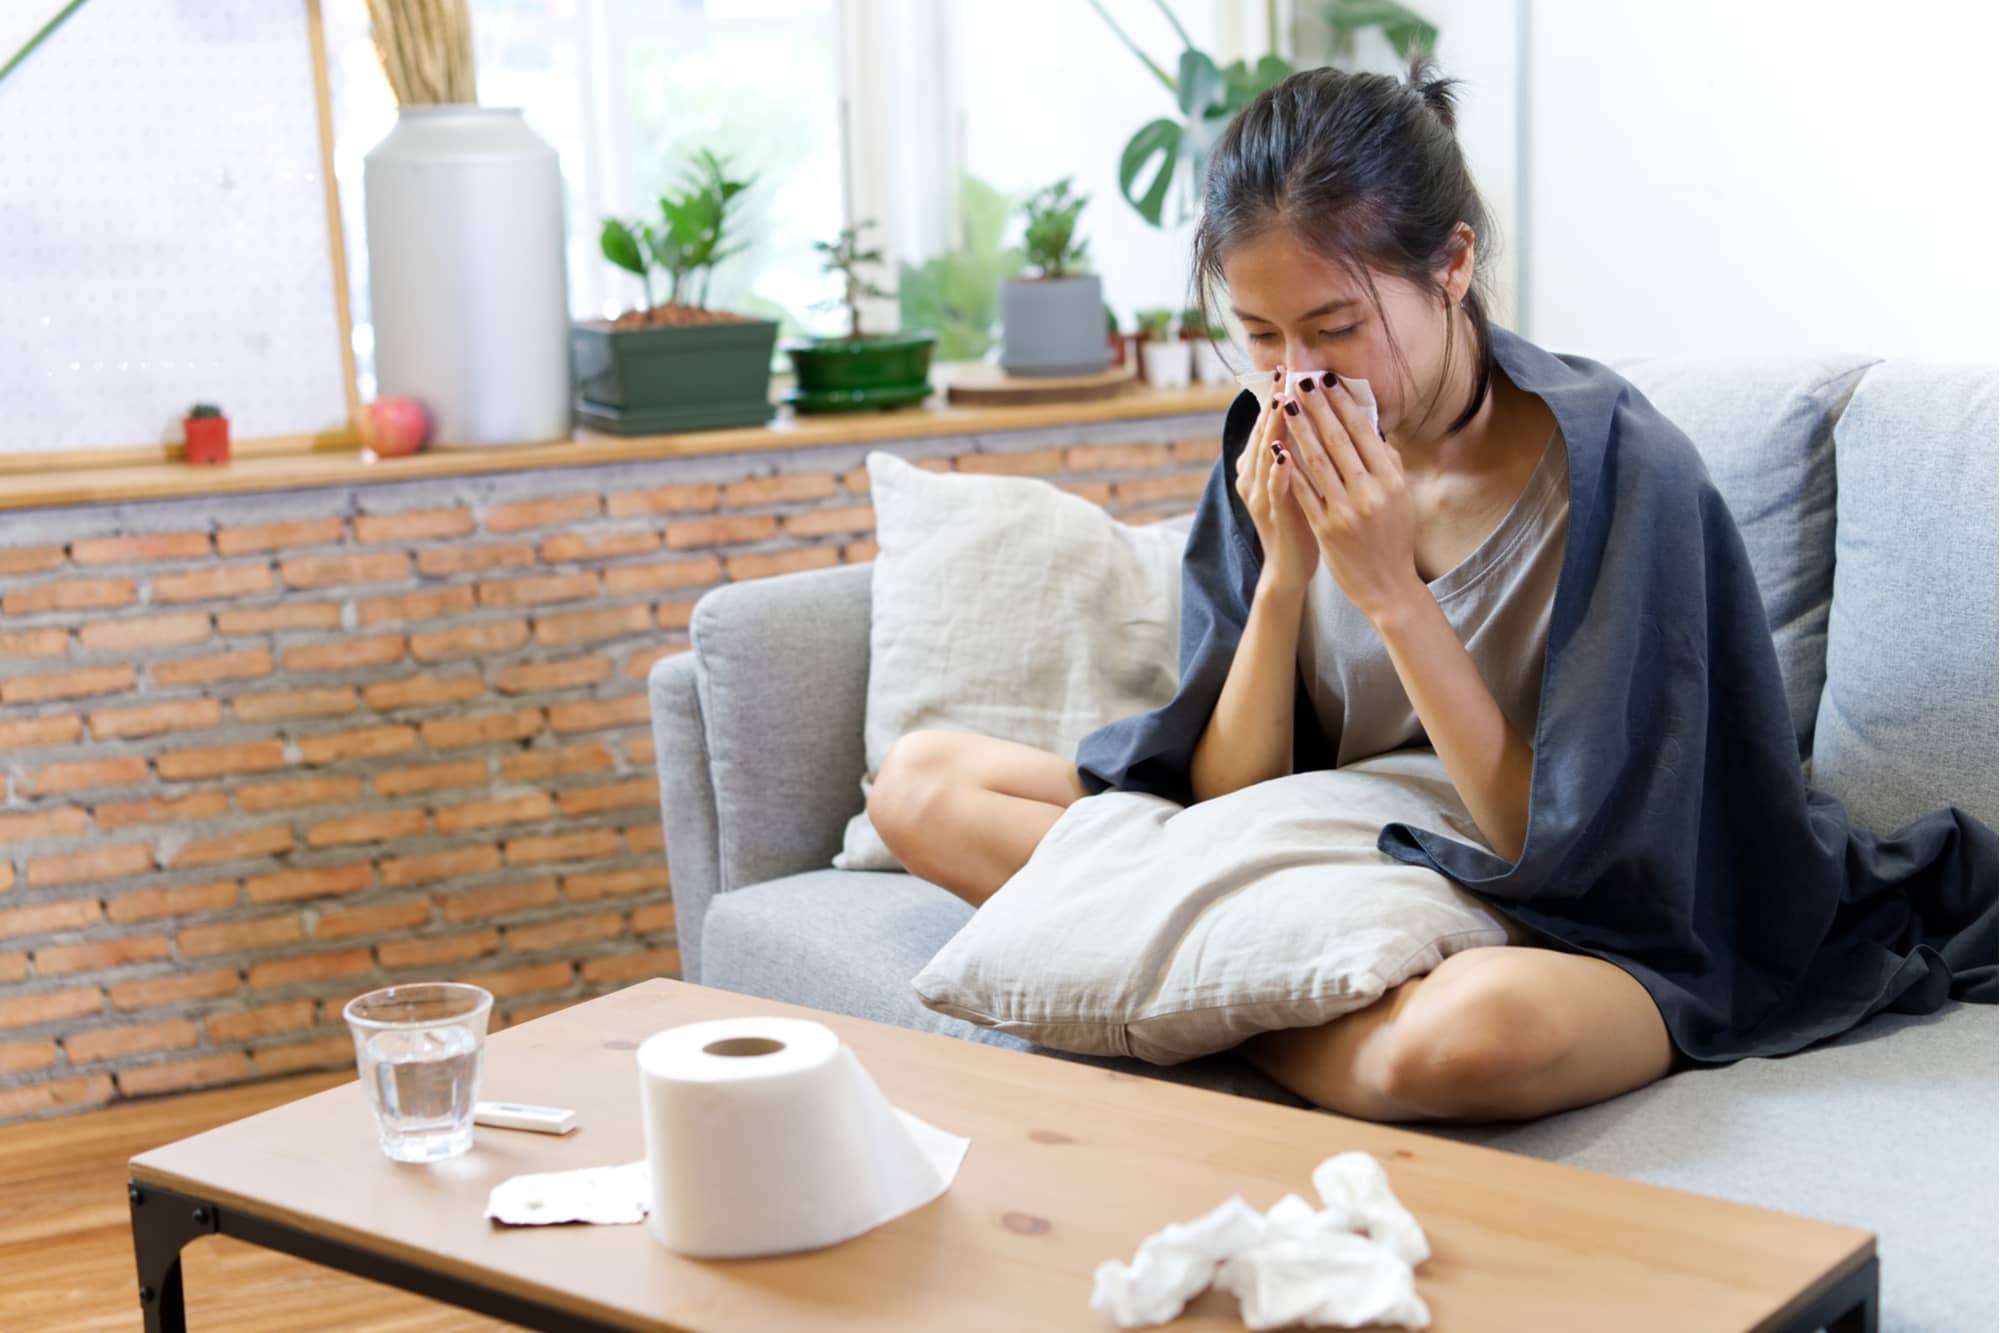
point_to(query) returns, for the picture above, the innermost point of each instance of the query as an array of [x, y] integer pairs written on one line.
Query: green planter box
[[856, 375], [660, 381]]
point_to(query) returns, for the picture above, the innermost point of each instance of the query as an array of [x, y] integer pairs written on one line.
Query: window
[[626, 90], [1030, 110]]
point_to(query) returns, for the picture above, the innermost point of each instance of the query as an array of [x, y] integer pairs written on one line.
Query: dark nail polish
[[1329, 381], [1278, 375], [1307, 386], [1276, 452], [1291, 408]]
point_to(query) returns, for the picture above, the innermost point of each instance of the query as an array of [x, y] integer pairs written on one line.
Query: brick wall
[[264, 752]]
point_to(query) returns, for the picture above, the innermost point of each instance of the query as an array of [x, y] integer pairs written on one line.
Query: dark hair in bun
[[1365, 170]]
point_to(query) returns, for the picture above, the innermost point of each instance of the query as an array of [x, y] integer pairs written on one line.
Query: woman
[[1522, 560]]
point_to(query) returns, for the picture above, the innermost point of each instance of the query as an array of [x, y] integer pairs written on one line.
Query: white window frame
[[898, 132]]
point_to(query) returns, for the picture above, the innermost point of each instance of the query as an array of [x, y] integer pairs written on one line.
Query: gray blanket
[[1671, 831]]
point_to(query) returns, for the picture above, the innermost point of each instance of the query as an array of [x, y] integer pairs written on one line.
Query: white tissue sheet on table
[[612, 1194], [623, 1194], [1291, 1265]]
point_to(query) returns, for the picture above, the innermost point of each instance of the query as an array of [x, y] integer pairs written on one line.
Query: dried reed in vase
[[426, 49]]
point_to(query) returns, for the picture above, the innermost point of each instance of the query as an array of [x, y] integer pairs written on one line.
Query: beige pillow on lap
[[1141, 927], [1007, 607]]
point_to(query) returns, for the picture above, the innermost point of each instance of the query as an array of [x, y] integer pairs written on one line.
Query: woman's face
[[1303, 313]]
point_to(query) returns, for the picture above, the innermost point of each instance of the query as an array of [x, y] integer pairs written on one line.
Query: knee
[[1469, 1055], [909, 790]]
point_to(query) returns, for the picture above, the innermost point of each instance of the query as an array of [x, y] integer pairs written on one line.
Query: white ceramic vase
[[1169, 364], [466, 281]]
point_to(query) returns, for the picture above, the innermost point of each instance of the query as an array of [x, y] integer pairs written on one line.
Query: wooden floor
[[66, 1246]]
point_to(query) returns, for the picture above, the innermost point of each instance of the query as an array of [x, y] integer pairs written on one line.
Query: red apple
[[393, 427]]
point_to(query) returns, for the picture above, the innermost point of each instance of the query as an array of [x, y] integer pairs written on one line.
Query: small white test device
[[514, 1115]]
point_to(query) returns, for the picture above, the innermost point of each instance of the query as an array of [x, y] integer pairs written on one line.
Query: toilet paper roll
[[766, 1136], [1261, 383]]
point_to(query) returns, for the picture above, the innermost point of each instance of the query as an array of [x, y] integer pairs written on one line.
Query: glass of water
[[418, 1047]]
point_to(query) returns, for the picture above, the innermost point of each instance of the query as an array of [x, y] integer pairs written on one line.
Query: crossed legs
[[966, 812], [1502, 1033]]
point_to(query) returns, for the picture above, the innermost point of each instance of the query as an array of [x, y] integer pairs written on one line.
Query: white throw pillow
[[1184, 930], [1008, 607]]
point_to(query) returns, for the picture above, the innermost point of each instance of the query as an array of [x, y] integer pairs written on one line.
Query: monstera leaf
[[1209, 99], [1173, 151], [1170, 151]]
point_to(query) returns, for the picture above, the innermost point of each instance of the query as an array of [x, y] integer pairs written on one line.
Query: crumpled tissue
[[1348, 1264]]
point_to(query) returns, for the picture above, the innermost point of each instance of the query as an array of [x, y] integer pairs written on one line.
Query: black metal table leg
[[161, 1225], [163, 1221], [1865, 1314], [1851, 1305]]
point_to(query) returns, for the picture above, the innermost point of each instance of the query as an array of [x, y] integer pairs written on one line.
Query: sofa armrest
[[758, 733], [687, 800]]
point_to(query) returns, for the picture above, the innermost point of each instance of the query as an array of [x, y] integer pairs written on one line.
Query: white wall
[[1756, 176]]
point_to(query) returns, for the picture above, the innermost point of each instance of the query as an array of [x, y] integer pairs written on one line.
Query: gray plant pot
[[1053, 326]]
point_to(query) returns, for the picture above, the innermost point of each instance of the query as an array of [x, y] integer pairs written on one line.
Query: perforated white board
[[163, 225]]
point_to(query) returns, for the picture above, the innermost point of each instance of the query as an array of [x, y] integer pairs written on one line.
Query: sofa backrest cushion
[[1764, 427], [1907, 720]]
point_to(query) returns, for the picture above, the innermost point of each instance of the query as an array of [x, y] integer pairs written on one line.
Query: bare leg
[[965, 811], [1502, 1033], [1343, 1065]]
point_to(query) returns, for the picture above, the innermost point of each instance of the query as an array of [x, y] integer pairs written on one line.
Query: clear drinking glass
[[418, 1047]]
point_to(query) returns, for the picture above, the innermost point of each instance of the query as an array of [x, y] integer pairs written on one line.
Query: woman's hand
[[1266, 475], [1362, 517]]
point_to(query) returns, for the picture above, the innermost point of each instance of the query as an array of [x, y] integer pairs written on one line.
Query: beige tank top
[[1497, 599]]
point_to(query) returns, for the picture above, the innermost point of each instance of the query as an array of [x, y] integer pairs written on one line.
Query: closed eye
[[1324, 333]]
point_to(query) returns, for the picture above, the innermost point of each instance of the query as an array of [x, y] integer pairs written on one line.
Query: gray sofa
[[1866, 494]]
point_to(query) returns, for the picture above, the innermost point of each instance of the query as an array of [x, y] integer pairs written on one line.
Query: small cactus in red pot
[[207, 434]]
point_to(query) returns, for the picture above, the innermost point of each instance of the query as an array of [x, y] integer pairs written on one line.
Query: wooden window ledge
[[31, 482]]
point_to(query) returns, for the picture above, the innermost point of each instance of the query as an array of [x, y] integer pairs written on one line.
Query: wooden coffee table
[[1070, 1164]]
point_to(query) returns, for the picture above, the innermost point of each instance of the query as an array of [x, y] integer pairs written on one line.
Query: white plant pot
[[466, 282], [1168, 365], [1208, 364]]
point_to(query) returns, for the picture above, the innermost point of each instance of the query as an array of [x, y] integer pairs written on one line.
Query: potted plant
[[207, 433], [857, 370], [676, 366], [1166, 361], [1113, 337], [1050, 322], [1209, 367], [1204, 338]]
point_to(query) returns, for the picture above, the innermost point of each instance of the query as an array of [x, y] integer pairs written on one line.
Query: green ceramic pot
[[861, 374], [664, 380]]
